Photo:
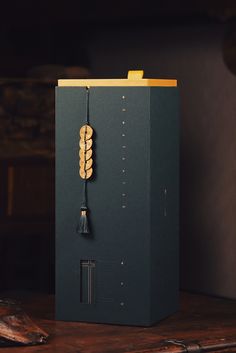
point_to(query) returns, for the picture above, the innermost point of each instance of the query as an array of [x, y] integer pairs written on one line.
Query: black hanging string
[[87, 106], [83, 227]]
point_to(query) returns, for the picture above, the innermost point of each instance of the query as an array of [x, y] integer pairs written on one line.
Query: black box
[[126, 270]]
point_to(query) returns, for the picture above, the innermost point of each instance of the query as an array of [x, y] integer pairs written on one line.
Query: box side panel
[[113, 261], [164, 193]]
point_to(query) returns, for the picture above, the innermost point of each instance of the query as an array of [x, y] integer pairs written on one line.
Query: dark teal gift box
[[125, 271]]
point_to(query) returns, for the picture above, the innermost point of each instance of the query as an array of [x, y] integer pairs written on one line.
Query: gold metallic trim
[[146, 82]]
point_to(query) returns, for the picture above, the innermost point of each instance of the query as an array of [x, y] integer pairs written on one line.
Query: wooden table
[[203, 324]]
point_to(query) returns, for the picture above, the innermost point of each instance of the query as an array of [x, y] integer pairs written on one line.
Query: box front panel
[[104, 276]]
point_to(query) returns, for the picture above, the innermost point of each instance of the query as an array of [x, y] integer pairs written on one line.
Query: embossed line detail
[[123, 154], [87, 278]]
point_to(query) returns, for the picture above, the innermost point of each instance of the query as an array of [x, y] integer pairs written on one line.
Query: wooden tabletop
[[203, 324]]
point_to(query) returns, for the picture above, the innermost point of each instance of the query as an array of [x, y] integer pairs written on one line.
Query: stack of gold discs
[[86, 152]]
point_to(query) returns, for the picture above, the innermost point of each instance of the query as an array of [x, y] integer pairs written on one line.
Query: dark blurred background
[[195, 43]]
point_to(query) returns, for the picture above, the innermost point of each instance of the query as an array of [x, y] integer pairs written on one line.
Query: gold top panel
[[135, 78], [117, 82]]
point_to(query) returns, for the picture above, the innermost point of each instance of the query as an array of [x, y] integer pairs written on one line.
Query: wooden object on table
[[203, 324], [16, 327]]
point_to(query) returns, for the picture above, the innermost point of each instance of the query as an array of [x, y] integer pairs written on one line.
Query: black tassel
[[83, 227]]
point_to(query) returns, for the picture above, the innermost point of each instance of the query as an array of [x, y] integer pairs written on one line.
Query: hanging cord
[[87, 106], [83, 227]]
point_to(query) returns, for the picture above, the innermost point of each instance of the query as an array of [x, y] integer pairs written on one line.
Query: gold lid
[[135, 78]]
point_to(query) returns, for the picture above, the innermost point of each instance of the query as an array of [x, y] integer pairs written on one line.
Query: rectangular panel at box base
[[125, 271]]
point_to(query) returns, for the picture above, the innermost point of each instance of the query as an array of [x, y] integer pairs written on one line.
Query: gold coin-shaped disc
[[85, 165], [85, 145], [85, 155], [85, 174], [86, 132]]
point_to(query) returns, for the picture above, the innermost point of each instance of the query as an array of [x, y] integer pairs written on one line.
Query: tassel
[[83, 227]]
